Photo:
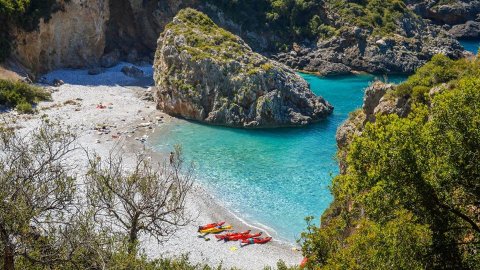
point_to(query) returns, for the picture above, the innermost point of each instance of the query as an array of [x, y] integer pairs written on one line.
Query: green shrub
[[403, 89], [24, 107], [21, 95], [420, 93], [440, 69]]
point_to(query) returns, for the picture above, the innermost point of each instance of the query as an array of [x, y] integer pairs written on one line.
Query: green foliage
[[320, 29], [378, 15], [24, 107], [287, 19], [21, 95], [439, 70], [409, 196], [297, 20], [204, 39]]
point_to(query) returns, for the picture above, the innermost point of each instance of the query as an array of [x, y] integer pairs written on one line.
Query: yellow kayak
[[217, 229]]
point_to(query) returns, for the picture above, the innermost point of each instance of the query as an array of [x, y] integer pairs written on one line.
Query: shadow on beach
[[108, 77]]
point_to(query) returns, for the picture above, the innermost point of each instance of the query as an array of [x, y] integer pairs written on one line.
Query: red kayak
[[211, 225], [242, 236], [257, 240], [224, 236]]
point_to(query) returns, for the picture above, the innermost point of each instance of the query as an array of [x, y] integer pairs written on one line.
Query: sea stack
[[207, 74]]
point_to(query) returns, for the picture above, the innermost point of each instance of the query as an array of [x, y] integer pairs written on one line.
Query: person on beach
[[172, 157]]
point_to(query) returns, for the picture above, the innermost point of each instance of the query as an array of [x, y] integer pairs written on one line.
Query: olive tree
[[146, 198], [37, 189]]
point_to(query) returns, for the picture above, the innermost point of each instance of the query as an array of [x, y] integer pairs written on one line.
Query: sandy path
[[127, 119]]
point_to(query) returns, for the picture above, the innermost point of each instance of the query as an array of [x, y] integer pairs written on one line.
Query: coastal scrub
[[408, 195], [21, 95]]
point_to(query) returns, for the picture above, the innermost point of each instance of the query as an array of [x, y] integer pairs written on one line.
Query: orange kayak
[[223, 236], [242, 237], [211, 225], [257, 240]]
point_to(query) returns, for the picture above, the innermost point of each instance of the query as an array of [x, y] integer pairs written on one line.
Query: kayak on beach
[[217, 229], [211, 225], [258, 240], [223, 236], [242, 237]]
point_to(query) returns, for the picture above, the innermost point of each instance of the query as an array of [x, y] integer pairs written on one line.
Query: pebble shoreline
[[110, 109]]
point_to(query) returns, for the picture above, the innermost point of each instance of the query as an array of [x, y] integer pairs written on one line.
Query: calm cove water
[[272, 177], [471, 45]]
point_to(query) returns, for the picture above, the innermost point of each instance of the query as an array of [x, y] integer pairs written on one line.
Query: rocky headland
[[399, 42], [205, 73], [459, 17]]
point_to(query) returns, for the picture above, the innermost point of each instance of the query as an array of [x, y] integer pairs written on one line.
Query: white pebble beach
[[128, 119]]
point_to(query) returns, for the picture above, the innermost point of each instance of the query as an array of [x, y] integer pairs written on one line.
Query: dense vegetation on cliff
[[312, 19], [409, 197]]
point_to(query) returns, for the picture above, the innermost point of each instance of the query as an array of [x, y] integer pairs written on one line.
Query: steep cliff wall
[[333, 41], [134, 25], [74, 37]]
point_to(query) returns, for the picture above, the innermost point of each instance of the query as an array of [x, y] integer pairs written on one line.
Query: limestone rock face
[[74, 37], [205, 73]]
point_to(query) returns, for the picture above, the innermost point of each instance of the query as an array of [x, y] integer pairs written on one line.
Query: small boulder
[[132, 71], [333, 69], [132, 56], [110, 59], [57, 82], [95, 71], [381, 42]]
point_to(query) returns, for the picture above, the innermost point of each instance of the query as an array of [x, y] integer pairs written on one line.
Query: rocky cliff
[[205, 73], [459, 17], [334, 37], [73, 37], [402, 45]]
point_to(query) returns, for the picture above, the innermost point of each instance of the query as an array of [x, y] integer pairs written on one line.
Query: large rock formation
[[461, 15], [74, 37], [359, 49], [204, 73]]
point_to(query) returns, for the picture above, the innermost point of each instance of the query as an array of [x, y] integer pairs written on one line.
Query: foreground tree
[[37, 190], [148, 199]]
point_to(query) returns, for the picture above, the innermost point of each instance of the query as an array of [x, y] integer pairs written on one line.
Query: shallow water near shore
[[273, 177]]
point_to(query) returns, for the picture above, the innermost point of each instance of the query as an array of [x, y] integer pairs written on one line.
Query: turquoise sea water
[[274, 177], [471, 45]]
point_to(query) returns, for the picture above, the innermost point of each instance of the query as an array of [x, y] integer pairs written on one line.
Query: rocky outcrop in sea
[[207, 74]]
